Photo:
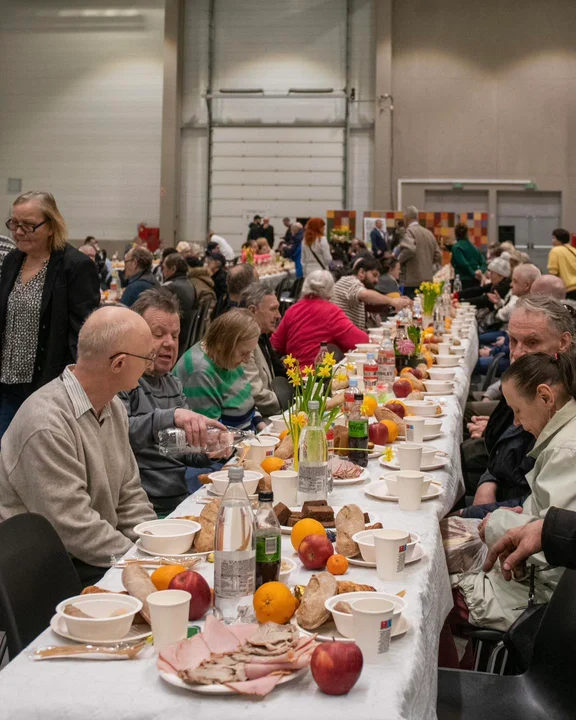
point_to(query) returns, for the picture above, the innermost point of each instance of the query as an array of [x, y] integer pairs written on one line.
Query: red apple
[[314, 552], [418, 374], [336, 666], [195, 584], [378, 433], [402, 388], [396, 407]]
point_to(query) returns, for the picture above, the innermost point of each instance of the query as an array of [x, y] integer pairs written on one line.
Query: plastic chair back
[[36, 573], [491, 372]]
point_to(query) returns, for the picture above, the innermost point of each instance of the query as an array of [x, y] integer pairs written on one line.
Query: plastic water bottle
[[268, 540], [386, 361], [457, 284], [330, 452], [312, 458], [370, 374], [352, 396], [358, 436], [234, 550], [320, 357]]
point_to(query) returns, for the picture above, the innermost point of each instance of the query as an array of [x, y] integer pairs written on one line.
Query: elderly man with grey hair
[[264, 365], [418, 252], [313, 320], [66, 454]]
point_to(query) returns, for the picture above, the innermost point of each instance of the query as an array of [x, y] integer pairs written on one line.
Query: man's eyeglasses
[[149, 359], [26, 228]]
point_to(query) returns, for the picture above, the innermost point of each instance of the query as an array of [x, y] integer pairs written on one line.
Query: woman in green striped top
[[212, 376]]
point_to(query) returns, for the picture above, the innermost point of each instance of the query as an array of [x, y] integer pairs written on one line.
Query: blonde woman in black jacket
[[47, 289]]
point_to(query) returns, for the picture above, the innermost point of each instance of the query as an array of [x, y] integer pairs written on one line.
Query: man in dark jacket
[[216, 265], [378, 239], [138, 272], [175, 272], [255, 228]]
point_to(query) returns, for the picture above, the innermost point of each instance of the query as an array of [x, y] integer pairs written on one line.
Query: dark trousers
[[410, 291], [88, 574], [474, 461], [571, 295], [11, 397]]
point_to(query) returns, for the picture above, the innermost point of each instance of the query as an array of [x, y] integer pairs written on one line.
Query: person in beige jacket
[[541, 390], [66, 455], [419, 253], [259, 370]]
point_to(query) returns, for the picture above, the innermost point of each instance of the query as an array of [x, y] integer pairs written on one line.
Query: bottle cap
[[314, 405], [370, 356], [353, 382], [265, 496], [236, 473]]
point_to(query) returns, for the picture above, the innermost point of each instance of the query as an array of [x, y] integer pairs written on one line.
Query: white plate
[[221, 689], [426, 437], [438, 394], [364, 475], [288, 530], [58, 625], [328, 631], [211, 491], [184, 556], [417, 554], [379, 490], [438, 463]]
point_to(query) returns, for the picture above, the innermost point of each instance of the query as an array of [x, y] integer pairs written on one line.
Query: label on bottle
[[268, 549], [358, 428], [234, 573], [312, 478]]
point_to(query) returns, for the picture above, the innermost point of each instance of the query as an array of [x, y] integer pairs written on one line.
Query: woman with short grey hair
[[313, 320]]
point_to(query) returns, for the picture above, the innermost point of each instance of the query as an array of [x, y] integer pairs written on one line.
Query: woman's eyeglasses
[[26, 228]]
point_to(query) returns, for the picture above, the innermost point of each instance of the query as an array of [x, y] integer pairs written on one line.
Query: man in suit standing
[[378, 240], [418, 253]]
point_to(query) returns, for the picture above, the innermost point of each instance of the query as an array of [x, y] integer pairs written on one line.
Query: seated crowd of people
[[86, 387]]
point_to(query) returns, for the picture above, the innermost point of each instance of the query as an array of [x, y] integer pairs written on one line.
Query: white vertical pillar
[[383, 180]]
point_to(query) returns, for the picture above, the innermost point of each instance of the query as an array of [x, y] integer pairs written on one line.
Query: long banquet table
[[402, 686]]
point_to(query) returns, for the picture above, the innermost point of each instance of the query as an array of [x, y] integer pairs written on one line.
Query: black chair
[[36, 573], [335, 350], [297, 288], [546, 691], [199, 324], [492, 371], [283, 391]]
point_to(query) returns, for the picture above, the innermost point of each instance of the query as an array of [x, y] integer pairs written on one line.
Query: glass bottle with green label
[[358, 435], [268, 540]]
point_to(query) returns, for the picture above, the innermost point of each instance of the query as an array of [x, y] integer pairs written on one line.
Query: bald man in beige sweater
[[66, 454]]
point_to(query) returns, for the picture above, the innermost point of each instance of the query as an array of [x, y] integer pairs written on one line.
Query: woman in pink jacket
[[314, 320]]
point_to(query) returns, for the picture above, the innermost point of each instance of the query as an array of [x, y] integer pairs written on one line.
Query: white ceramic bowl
[[100, 606], [278, 423], [439, 386], [167, 537], [392, 483], [438, 373], [421, 407], [446, 360], [414, 540], [367, 347], [432, 426], [285, 574], [344, 621], [220, 481]]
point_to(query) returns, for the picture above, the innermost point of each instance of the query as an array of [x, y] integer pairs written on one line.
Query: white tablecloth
[[273, 281], [403, 686]]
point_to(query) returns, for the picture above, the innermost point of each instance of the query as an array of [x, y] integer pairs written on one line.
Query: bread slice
[[349, 521], [312, 613]]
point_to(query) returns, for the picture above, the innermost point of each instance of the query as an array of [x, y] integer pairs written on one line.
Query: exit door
[[533, 216]]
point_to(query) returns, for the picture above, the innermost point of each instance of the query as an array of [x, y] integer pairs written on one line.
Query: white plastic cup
[[262, 447], [444, 348], [169, 610], [409, 456], [372, 618], [415, 426], [278, 423], [390, 546], [409, 489], [285, 486]]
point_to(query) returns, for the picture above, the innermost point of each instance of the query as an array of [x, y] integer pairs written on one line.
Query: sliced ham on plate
[[186, 654], [218, 637], [261, 686]]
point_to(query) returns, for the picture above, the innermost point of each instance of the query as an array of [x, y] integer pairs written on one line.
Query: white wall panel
[[80, 113]]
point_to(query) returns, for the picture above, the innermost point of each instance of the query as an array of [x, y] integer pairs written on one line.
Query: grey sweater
[[79, 472], [150, 409]]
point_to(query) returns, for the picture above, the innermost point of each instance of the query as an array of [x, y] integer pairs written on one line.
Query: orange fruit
[[273, 602], [369, 405], [283, 434], [270, 464], [303, 528], [392, 430], [405, 371], [161, 577], [337, 564]]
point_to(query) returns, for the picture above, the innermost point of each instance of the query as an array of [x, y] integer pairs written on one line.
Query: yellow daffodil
[[295, 380], [324, 371], [329, 359], [342, 377], [290, 361], [300, 419], [388, 453], [308, 370]]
